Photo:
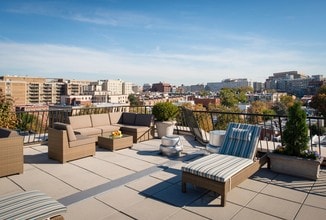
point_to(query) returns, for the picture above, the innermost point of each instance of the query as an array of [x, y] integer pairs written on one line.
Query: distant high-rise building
[[161, 87], [294, 83], [197, 88], [228, 83], [147, 87]]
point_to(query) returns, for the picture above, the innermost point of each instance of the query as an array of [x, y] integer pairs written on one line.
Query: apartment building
[[294, 83], [228, 83], [16, 90], [266, 97], [38, 91], [161, 87]]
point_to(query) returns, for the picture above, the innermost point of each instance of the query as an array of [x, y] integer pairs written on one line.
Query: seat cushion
[[80, 121], [240, 140], [108, 128], [217, 167], [82, 140], [134, 129], [144, 119], [29, 205], [240, 134], [128, 118], [100, 119], [5, 132], [115, 117], [88, 131]]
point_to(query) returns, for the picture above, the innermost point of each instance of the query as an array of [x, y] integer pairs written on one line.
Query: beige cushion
[[115, 117], [108, 128], [80, 121], [100, 120], [68, 128], [82, 140], [89, 131], [144, 119]]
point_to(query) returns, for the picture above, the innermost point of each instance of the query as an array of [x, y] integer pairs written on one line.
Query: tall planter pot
[[165, 128], [295, 166]]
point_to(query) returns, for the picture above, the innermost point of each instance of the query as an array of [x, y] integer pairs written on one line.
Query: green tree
[[228, 97], [133, 100], [280, 108], [318, 101], [232, 96], [221, 120], [295, 134], [287, 100], [260, 107], [7, 112]]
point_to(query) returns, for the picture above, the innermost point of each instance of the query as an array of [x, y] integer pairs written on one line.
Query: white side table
[[216, 138]]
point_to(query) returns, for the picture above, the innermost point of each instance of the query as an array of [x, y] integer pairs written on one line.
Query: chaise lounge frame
[[220, 187]]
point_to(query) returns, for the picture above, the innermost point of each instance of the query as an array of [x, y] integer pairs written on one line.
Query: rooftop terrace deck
[[139, 183]]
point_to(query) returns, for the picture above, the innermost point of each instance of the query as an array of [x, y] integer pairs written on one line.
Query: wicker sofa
[[64, 145], [140, 126], [11, 152]]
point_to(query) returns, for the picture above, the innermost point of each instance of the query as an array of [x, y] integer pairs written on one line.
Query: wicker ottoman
[[171, 145]]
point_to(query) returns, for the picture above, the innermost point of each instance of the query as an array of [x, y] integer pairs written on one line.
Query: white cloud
[[177, 68]]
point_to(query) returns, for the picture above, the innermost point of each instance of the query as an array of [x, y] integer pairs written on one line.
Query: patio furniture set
[[78, 138], [219, 172]]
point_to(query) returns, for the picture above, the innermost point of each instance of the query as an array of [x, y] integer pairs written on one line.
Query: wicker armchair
[[11, 152], [64, 145]]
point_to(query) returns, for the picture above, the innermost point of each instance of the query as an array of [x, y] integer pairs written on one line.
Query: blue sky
[[175, 41]]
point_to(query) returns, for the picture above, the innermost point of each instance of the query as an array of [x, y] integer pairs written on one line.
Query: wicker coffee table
[[115, 143]]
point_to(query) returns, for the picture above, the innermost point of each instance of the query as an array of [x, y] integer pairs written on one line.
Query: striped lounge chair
[[234, 163], [30, 205]]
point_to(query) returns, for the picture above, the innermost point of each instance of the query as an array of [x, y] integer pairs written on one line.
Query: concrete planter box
[[295, 166]]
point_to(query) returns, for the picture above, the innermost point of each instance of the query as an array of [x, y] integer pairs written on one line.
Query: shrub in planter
[[165, 111], [165, 114], [295, 136], [294, 158]]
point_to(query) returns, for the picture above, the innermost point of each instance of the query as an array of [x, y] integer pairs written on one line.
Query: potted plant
[[165, 114], [294, 157]]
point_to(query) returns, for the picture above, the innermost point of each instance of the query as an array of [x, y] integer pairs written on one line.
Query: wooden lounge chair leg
[[183, 187], [225, 186], [223, 200]]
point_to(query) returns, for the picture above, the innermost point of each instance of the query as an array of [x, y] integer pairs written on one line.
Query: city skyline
[[180, 42]]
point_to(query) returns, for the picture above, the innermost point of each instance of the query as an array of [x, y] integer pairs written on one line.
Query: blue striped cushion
[[29, 205], [217, 167], [240, 140]]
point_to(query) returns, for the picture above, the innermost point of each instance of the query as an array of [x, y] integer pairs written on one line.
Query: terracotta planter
[[295, 166]]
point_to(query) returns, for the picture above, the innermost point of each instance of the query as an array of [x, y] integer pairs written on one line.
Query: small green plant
[[165, 111], [295, 136]]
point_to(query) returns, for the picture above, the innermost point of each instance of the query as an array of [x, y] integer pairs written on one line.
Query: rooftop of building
[[140, 183]]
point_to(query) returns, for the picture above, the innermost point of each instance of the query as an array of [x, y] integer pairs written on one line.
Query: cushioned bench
[[140, 126], [30, 205]]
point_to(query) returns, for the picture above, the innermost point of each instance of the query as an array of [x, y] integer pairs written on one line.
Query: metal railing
[[200, 123], [33, 125]]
